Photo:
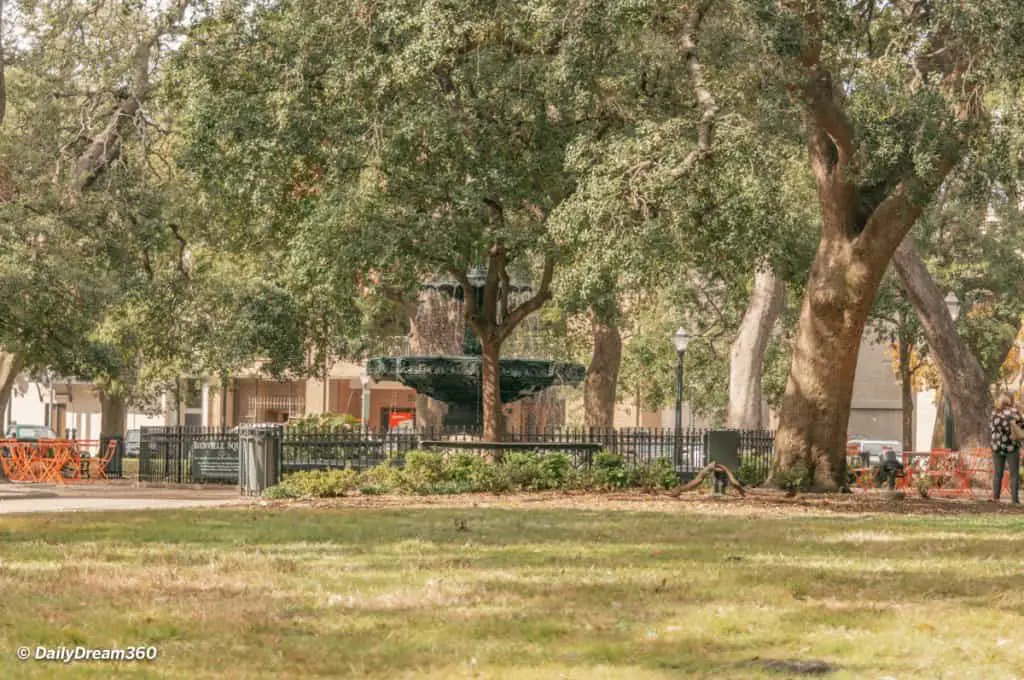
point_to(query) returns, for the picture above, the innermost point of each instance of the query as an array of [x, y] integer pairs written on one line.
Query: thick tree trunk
[[962, 375], [906, 392], [815, 409], [113, 416], [490, 375], [602, 375], [10, 366], [939, 426], [113, 425], [432, 332], [746, 358]]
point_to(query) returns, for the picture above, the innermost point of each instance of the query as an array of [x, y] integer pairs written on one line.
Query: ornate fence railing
[[187, 455]]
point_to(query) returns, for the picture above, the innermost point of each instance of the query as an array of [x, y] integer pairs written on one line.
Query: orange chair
[[104, 459], [8, 461]]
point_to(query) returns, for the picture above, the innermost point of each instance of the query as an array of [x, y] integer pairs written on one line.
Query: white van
[[872, 452]]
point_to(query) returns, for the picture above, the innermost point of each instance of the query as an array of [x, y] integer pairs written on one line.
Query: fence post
[[259, 459]]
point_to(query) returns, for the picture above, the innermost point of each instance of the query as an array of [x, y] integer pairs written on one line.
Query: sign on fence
[[214, 461]]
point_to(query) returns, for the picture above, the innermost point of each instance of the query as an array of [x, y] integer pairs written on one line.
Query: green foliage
[[315, 484], [324, 421], [423, 470], [384, 478], [610, 472], [661, 474], [797, 478], [749, 472], [428, 472], [531, 471]]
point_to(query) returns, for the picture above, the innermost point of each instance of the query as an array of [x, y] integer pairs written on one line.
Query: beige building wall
[[877, 408]]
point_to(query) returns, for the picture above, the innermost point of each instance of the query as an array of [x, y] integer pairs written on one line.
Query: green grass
[[512, 592]]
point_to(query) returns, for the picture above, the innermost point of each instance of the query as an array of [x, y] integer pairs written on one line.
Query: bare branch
[[496, 263], [469, 311], [503, 293], [106, 146], [535, 302], [3, 68], [182, 248], [709, 108]]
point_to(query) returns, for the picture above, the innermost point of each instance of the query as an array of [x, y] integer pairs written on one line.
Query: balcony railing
[[295, 407]]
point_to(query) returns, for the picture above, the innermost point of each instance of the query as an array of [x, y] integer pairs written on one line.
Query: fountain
[[456, 379]]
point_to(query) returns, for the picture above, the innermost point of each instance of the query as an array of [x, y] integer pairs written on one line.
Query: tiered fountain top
[[456, 380]]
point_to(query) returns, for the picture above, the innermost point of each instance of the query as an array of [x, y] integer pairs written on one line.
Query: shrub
[[659, 475], [749, 473], [423, 470], [383, 478], [315, 484], [534, 471], [466, 468], [610, 471], [523, 470], [554, 470], [324, 421], [795, 479]]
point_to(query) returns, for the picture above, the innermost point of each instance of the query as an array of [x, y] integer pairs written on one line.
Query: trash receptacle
[[259, 459], [722, 446]]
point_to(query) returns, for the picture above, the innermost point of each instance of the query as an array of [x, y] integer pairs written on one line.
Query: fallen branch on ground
[[703, 474]]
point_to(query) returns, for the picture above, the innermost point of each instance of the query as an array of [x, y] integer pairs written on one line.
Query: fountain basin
[[456, 380]]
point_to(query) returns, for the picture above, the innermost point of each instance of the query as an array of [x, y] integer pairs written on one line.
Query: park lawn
[[524, 592]]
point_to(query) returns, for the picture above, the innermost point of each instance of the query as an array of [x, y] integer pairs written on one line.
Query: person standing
[[1005, 447]]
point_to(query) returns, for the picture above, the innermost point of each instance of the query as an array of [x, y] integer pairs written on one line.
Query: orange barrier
[[965, 473]]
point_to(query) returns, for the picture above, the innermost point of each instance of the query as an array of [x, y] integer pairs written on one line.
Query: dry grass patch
[[551, 586]]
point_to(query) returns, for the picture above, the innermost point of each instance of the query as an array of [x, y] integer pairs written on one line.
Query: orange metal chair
[[104, 459]]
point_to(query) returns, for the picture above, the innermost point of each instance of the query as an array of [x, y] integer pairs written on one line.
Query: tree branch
[[709, 108], [400, 297], [831, 139], [535, 302], [182, 247], [106, 146], [469, 310], [3, 68]]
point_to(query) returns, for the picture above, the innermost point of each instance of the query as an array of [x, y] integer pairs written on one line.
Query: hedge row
[[427, 472]]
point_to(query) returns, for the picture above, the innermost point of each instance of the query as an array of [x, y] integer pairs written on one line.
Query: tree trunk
[[815, 410], [490, 376], [746, 358], [10, 367], [962, 375], [429, 335], [113, 425], [907, 392], [113, 416], [602, 375]]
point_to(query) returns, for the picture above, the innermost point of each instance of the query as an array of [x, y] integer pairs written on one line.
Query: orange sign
[[397, 417]]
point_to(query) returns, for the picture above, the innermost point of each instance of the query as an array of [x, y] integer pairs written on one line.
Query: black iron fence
[[186, 455]]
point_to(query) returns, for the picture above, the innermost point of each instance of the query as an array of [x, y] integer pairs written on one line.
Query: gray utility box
[[722, 446], [260, 459]]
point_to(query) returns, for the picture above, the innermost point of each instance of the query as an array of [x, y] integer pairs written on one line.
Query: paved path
[[21, 498]]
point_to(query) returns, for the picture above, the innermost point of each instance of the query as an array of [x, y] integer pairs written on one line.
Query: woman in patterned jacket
[[1005, 449]]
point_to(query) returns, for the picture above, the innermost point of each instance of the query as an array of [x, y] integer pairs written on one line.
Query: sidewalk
[[18, 497]]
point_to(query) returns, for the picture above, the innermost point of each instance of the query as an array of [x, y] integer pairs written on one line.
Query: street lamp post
[[953, 306], [680, 340], [364, 380]]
